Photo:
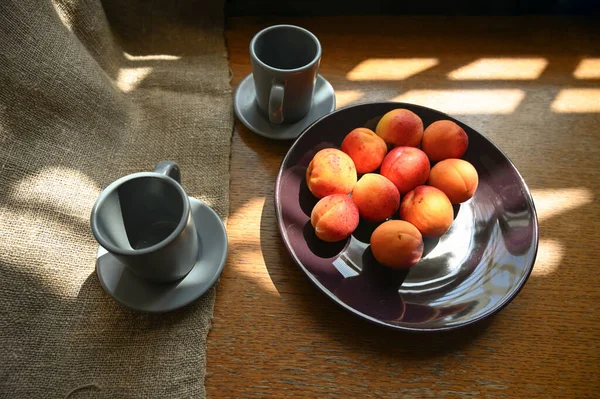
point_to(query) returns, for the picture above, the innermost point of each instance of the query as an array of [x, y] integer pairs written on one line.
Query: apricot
[[334, 217], [331, 171], [406, 167], [397, 244], [457, 178], [400, 127], [376, 197], [428, 209], [444, 139], [366, 149]]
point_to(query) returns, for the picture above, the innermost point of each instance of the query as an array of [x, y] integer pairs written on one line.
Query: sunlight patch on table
[[577, 101], [549, 257], [501, 69], [245, 220], [346, 97], [553, 202], [250, 266], [485, 101], [246, 259], [130, 78], [588, 68], [390, 68]]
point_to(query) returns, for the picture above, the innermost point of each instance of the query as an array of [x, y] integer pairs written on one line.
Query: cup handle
[[276, 103], [169, 168]]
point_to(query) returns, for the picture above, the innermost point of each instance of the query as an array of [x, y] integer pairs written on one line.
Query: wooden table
[[532, 86]]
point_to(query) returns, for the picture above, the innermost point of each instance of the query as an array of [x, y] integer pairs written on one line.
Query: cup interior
[[140, 213], [286, 47]]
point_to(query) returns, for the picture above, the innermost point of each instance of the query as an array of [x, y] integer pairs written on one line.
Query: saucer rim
[[241, 117], [210, 283]]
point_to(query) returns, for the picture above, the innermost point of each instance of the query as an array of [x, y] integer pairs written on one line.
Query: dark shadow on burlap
[[91, 91]]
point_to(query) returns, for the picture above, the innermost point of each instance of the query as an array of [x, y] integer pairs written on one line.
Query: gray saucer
[[247, 112], [144, 296]]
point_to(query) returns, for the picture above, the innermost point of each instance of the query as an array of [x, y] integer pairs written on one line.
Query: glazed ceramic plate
[[465, 276]]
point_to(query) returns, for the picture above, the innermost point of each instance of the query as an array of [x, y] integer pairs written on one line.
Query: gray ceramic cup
[[145, 221], [285, 61]]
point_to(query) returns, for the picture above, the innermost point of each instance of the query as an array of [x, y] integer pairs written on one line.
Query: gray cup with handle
[[285, 62], [145, 220]]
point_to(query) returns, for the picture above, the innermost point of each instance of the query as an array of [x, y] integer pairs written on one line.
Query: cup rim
[[255, 57], [136, 252]]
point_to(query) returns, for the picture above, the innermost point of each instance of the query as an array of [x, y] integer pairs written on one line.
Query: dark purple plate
[[470, 273]]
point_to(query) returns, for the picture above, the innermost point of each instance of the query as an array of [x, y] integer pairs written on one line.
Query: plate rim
[[486, 315]]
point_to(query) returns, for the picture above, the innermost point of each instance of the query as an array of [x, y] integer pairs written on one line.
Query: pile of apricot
[[401, 175]]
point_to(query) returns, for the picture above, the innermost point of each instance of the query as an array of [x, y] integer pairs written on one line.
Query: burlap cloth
[[90, 91]]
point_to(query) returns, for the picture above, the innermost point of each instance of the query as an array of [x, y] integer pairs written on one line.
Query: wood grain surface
[[532, 86]]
